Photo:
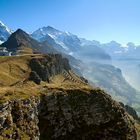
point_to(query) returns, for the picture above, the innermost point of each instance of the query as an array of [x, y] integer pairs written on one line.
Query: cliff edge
[[42, 99]]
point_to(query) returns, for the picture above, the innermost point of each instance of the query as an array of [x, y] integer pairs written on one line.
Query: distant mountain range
[[21, 42], [69, 43], [91, 53], [90, 59], [117, 51]]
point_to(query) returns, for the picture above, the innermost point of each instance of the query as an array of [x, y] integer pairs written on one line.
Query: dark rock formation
[[49, 66], [20, 40], [130, 110], [66, 115], [34, 77], [19, 119]]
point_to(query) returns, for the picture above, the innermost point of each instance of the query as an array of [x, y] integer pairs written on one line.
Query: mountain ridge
[[90, 58], [38, 110], [91, 53], [20, 40]]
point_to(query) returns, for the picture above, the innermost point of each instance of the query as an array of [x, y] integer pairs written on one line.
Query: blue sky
[[102, 20]]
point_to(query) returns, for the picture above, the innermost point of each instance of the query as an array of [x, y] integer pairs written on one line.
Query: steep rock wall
[[44, 68], [65, 115]]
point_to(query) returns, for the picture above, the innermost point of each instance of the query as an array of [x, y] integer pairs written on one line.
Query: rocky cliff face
[[44, 68], [60, 107], [70, 114], [19, 119]]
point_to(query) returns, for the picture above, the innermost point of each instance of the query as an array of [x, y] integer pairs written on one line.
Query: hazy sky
[[102, 20]]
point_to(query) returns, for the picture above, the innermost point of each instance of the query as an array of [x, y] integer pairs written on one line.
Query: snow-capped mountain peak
[[5, 32], [2, 25], [66, 40]]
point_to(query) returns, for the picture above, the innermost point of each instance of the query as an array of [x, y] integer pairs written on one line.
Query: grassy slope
[[14, 73]]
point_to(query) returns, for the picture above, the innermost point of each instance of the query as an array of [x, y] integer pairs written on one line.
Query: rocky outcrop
[[19, 119], [34, 77], [130, 110], [66, 115], [50, 65]]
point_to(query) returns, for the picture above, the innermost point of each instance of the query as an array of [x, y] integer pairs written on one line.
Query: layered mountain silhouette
[[67, 41], [70, 44], [87, 58], [21, 42]]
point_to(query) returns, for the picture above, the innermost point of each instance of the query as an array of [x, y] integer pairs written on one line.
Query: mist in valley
[[130, 70]]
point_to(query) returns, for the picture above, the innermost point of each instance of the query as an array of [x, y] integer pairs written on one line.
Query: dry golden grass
[[15, 70], [24, 50], [15, 92], [137, 130]]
